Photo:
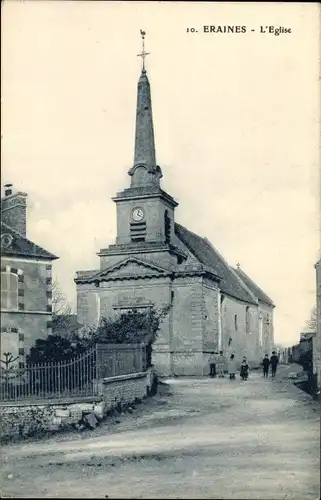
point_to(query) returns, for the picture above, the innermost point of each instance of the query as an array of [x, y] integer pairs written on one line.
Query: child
[[266, 364], [151, 380], [220, 365], [274, 361], [232, 367], [212, 362], [244, 373]]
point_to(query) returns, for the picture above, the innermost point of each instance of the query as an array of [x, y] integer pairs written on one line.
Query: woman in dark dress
[[244, 372]]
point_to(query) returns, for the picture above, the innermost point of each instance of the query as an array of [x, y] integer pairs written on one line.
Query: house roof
[[207, 255], [255, 289], [21, 246]]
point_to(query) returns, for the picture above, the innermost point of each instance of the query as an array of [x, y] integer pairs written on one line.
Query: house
[[26, 280], [157, 261]]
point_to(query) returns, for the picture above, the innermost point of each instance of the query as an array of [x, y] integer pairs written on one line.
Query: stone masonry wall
[[266, 312], [210, 318], [244, 343], [19, 420]]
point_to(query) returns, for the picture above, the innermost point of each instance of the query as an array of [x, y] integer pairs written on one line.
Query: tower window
[[235, 322], [9, 291]]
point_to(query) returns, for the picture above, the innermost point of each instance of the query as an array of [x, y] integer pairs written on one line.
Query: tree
[[60, 304], [64, 323], [133, 326], [312, 322], [55, 348], [62, 374]]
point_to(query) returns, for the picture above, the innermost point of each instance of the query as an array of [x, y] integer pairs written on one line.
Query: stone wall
[[211, 297], [266, 313], [234, 326], [19, 420]]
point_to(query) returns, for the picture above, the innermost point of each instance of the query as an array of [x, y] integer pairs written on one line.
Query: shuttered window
[[9, 291]]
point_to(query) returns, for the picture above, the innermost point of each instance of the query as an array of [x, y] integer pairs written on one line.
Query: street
[[209, 439]]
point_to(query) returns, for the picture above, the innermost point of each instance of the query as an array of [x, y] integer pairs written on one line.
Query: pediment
[[131, 267]]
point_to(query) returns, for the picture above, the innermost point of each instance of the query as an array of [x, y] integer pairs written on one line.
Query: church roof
[[206, 254], [255, 289], [19, 246]]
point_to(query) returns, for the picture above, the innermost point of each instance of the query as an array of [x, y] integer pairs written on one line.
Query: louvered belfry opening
[[138, 231]]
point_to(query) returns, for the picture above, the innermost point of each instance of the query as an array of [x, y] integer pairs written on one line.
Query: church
[[156, 261]]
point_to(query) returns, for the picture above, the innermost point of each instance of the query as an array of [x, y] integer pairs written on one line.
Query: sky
[[236, 120]]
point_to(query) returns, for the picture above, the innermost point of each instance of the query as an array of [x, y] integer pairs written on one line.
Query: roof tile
[[210, 257], [23, 247]]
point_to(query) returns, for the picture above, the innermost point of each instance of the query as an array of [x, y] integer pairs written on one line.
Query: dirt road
[[210, 439]]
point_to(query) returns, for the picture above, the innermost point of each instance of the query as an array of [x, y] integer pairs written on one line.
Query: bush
[[133, 326], [55, 348]]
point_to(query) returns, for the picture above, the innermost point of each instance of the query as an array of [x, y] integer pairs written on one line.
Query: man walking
[[212, 361], [274, 361], [220, 365], [266, 364]]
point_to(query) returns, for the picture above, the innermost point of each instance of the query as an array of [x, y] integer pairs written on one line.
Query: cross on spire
[[143, 54]]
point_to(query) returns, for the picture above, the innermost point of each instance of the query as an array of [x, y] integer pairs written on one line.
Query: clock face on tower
[[138, 214]]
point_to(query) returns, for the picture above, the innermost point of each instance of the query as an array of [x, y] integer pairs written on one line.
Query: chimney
[[14, 209], [7, 189]]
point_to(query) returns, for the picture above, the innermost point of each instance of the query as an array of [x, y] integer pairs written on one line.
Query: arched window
[[247, 320], [260, 331], [9, 291], [235, 322]]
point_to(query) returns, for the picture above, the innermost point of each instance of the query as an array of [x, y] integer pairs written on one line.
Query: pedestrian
[[266, 364], [221, 365], [244, 372], [212, 361], [151, 380], [274, 361], [232, 367]]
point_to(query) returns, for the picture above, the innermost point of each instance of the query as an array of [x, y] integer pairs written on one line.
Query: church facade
[[156, 261]]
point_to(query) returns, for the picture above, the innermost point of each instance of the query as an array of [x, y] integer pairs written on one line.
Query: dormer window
[[9, 291]]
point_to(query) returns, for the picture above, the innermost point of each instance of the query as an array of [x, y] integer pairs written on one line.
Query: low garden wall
[[18, 420]]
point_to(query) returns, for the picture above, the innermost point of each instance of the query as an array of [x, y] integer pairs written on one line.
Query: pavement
[[212, 438]]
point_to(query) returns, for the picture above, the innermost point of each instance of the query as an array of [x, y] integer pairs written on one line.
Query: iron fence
[[76, 377]]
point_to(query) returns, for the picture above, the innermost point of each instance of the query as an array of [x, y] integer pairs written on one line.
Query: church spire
[[144, 171]]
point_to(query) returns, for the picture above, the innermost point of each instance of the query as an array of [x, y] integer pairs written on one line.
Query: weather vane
[[143, 54]]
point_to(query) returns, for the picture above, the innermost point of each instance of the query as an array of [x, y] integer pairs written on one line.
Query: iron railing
[[76, 377]]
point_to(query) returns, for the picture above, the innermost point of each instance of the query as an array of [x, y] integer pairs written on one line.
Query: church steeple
[[145, 212], [144, 172]]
